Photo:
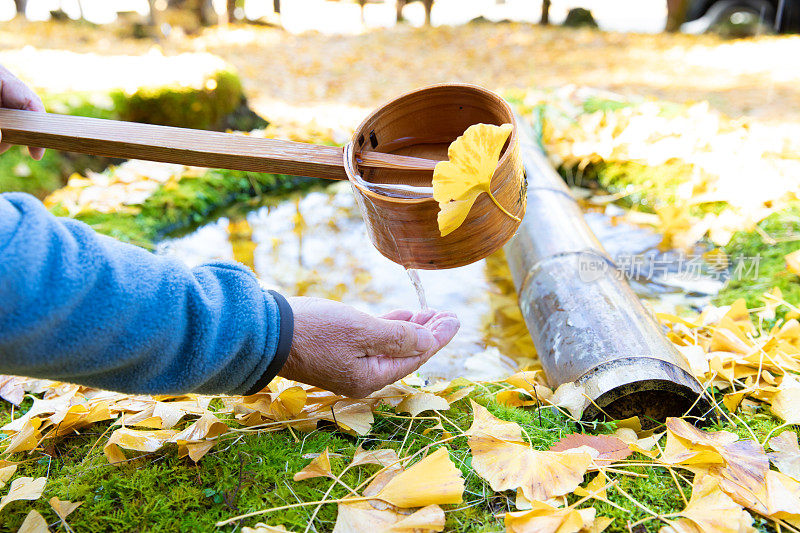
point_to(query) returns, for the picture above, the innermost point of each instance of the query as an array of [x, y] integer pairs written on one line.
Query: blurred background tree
[[676, 14], [21, 6]]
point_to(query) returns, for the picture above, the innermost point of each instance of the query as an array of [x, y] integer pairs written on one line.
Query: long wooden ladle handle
[[129, 140]]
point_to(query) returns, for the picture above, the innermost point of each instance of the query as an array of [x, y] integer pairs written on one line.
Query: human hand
[[351, 353], [16, 95]]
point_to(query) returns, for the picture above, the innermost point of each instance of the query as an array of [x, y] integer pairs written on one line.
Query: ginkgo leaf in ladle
[[472, 160]]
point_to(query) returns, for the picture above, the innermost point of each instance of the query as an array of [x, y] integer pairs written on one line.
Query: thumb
[[397, 338]]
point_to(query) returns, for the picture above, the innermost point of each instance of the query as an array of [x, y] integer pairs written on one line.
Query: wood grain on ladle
[[183, 146]]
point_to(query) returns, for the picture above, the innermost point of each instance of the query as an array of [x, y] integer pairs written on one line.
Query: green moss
[[18, 172], [647, 186], [252, 471], [219, 105], [167, 105], [187, 107], [594, 104], [764, 263], [193, 200]]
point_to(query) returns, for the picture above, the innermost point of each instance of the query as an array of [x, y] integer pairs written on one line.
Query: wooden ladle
[[388, 161], [129, 140]]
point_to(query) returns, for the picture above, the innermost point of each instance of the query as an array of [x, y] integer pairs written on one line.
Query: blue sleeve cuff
[[284, 344]]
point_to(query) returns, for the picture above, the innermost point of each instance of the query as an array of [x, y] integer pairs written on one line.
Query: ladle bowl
[[398, 206]]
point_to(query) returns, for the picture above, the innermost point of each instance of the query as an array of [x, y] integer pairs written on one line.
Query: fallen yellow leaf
[[33, 523], [506, 461], [710, 510], [596, 488], [433, 480], [786, 403], [27, 438], [472, 160], [137, 440], [545, 518], [740, 466], [24, 488], [358, 517], [264, 528], [793, 262], [63, 508], [199, 437], [320, 466], [5, 474], [783, 498], [385, 457], [785, 455], [421, 401]]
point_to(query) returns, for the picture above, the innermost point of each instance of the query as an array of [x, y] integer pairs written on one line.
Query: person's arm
[[81, 307]]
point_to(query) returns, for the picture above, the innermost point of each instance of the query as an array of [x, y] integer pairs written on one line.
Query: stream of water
[[317, 245], [413, 275]]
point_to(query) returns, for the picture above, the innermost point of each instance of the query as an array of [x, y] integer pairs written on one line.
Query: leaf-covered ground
[[248, 450], [313, 75]]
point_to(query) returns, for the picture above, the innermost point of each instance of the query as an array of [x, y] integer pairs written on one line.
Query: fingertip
[[34, 104], [421, 317], [445, 329], [398, 314], [426, 340]]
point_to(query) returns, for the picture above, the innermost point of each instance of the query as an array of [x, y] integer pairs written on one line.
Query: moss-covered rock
[[184, 202], [646, 186]]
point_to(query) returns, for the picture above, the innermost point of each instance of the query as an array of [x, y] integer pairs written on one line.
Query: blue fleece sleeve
[[81, 307]]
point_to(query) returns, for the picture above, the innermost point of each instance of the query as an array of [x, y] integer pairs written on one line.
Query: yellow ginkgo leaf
[[131, 439], [506, 461], [24, 488], [710, 509], [207, 426], [596, 488], [362, 516], [543, 517], [741, 466], [198, 438], [5, 474], [26, 438], [793, 262], [320, 466], [383, 457], [265, 528], [785, 455], [350, 415], [786, 404], [33, 523], [422, 401], [433, 480], [472, 160], [783, 498], [63, 508]]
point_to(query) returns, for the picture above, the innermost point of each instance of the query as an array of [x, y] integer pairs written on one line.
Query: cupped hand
[[351, 353], [16, 95]]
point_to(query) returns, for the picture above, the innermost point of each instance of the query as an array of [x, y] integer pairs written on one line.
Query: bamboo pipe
[[129, 140], [587, 324]]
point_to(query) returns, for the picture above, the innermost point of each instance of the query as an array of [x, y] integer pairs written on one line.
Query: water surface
[[317, 245]]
